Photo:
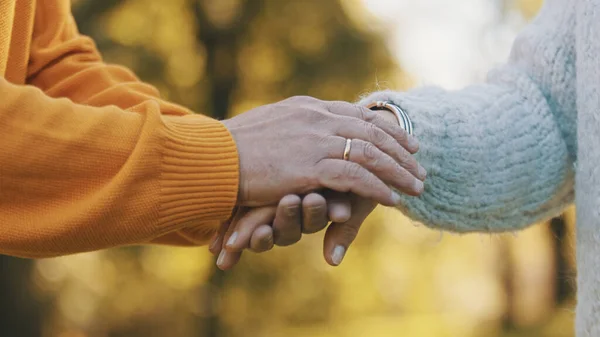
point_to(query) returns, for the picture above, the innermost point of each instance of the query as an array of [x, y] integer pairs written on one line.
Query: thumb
[[340, 235]]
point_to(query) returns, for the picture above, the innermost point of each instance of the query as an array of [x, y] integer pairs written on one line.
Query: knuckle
[[301, 98], [334, 105], [365, 114], [406, 160], [360, 112], [402, 135], [410, 164], [378, 120], [405, 181], [313, 179], [352, 171], [349, 232], [376, 135], [316, 116], [326, 146], [325, 171], [370, 154]]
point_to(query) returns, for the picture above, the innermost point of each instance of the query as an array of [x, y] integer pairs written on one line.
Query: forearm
[[64, 63], [499, 169], [75, 178], [499, 155]]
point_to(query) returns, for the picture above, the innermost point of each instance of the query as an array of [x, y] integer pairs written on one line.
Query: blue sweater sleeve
[[500, 154]]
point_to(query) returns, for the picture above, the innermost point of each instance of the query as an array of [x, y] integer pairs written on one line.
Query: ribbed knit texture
[[500, 155], [191, 177], [587, 43], [90, 156], [6, 25]]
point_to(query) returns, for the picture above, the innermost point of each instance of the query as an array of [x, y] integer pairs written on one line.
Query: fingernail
[[338, 255], [413, 142], [232, 239], [221, 257], [422, 172], [418, 186], [396, 199]]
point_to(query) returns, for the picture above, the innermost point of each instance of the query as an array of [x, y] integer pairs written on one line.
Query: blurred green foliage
[[227, 56], [243, 53]]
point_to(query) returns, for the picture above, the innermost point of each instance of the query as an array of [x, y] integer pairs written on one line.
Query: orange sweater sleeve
[[64, 63], [110, 163]]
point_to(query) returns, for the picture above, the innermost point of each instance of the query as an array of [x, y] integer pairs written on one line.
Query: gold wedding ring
[[347, 149]]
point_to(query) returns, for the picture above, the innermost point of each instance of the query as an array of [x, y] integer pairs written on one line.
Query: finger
[[340, 235], [238, 236], [287, 226], [347, 176], [339, 208], [383, 166], [351, 128], [217, 241], [314, 213], [262, 239], [401, 136], [227, 260]]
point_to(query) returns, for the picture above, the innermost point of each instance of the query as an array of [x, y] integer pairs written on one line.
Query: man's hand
[[296, 147], [250, 227]]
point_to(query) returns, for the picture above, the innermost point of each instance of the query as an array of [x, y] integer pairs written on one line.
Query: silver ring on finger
[[401, 115], [346, 155]]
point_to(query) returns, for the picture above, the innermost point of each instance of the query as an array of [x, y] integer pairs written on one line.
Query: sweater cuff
[[199, 172], [432, 124], [432, 128], [421, 107], [495, 159]]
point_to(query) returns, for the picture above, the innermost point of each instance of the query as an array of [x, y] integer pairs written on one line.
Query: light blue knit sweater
[[500, 155]]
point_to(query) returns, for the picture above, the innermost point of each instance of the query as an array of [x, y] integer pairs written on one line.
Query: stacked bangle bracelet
[[400, 114]]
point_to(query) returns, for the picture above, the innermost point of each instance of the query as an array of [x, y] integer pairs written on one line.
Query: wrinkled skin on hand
[[296, 147], [294, 216]]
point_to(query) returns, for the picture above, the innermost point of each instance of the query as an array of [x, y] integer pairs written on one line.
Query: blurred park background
[[222, 57]]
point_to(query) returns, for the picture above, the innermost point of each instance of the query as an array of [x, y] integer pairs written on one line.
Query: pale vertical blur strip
[[453, 44], [447, 43]]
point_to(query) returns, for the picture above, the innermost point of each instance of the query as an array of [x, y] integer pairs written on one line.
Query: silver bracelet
[[400, 114]]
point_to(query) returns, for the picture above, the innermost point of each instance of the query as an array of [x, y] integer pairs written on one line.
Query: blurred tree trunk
[[20, 312], [565, 274], [89, 9], [222, 48]]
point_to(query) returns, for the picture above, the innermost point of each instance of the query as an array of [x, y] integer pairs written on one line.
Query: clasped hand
[[298, 172]]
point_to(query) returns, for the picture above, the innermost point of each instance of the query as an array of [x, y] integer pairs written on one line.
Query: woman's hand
[[296, 147], [259, 229]]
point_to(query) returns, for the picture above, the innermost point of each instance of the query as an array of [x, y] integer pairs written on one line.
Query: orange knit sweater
[[90, 157]]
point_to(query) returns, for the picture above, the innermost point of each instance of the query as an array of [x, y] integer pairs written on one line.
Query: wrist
[[231, 125], [395, 114], [199, 175]]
